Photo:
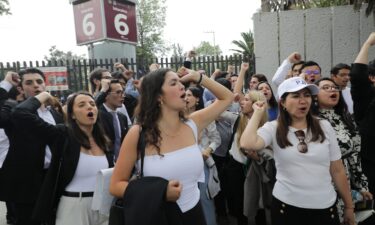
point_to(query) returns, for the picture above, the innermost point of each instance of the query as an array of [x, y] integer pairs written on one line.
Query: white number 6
[[88, 26], [121, 27]]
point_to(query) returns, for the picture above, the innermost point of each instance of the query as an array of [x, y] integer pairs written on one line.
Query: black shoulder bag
[[116, 213]]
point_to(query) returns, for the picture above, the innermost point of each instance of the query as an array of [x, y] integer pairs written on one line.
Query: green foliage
[[246, 45], [151, 22], [280, 5], [4, 8], [206, 49], [177, 49], [57, 55]]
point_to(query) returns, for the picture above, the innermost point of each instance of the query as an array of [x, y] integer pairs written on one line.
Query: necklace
[[172, 135]]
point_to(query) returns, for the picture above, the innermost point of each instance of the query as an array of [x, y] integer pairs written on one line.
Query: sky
[[36, 25]]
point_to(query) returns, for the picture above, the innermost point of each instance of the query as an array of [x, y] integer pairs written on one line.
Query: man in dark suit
[[114, 123], [28, 157]]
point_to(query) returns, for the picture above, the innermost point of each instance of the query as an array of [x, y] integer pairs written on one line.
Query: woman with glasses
[[332, 107], [307, 159]]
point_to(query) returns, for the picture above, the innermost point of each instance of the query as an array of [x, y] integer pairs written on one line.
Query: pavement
[[2, 214]]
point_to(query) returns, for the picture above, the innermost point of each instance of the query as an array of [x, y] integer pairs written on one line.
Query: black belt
[[78, 194]]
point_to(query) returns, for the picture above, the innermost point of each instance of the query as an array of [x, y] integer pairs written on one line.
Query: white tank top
[[84, 178], [184, 165]]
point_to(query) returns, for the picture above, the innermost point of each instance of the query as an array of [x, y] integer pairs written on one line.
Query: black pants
[[11, 216], [194, 216], [284, 214], [23, 214], [235, 178], [220, 198]]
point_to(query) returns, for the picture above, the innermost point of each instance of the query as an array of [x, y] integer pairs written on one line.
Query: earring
[[197, 103], [284, 108]]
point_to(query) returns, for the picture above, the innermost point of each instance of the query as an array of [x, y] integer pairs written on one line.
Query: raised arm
[[240, 81], [283, 69], [224, 98], [361, 89], [250, 139]]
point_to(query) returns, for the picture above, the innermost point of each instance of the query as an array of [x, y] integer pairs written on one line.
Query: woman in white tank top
[[172, 151]]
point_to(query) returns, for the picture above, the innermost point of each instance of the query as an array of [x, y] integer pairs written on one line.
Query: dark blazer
[[22, 172], [107, 123], [363, 95], [55, 182]]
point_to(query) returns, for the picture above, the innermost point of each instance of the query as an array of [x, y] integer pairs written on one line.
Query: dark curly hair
[[148, 112]]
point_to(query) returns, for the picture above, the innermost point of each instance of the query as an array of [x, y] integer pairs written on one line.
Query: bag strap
[[59, 167], [141, 146]]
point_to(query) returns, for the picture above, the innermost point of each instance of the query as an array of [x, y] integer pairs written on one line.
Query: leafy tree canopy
[[4, 8], [206, 49], [57, 55]]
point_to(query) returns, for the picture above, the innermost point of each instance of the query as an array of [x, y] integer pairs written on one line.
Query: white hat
[[295, 84]]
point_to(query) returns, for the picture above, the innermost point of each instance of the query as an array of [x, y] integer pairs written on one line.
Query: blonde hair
[[254, 96]]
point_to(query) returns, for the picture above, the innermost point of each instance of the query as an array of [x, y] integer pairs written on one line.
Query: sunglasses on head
[[302, 146]]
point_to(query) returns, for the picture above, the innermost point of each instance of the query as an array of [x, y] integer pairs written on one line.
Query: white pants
[[77, 211]]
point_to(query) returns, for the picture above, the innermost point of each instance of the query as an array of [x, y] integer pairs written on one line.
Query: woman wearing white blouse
[[307, 159]]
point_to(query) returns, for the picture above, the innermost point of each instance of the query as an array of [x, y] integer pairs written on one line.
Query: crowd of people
[[221, 149]]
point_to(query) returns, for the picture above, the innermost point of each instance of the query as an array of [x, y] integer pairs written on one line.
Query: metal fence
[[79, 70]]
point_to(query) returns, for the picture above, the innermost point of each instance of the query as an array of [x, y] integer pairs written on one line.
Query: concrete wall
[[325, 35]]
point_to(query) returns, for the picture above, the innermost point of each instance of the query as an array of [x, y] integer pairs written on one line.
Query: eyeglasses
[[312, 72], [302, 146], [330, 88], [118, 92]]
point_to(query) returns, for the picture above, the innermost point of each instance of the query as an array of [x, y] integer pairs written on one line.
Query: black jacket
[[23, 170], [363, 94], [145, 203], [106, 119], [50, 191]]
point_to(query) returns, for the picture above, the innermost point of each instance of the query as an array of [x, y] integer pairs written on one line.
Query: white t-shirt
[[303, 179]]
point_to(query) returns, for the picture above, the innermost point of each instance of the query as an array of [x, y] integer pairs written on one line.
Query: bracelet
[[200, 79]]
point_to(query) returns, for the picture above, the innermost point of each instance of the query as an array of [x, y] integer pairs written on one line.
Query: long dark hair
[[272, 102], [284, 121], [148, 112], [341, 108], [98, 133], [198, 94]]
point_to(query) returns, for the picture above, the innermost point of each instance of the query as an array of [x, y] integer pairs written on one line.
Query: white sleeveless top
[[84, 178], [184, 165]]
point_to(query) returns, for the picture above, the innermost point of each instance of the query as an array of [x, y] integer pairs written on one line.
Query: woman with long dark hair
[[307, 159], [266, 88], [332, 107], [80, 151], [172, 151]]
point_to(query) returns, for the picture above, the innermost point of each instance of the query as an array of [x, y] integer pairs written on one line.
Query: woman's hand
[[366, 195], [190, 76], [260, 106], [173, 190], [349, 216]]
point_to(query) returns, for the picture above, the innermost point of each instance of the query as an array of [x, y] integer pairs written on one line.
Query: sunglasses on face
[[312, 72], [302, 146]]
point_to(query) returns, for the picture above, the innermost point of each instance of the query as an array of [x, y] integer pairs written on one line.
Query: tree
[[178, 51], [246, 45], [57, 55], [4, 7], [280, 5], [205, 49], [151, 22]]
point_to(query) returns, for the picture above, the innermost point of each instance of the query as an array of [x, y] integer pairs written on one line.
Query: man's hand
[[295, 57], [104, 83], [120, 66], [230, 69], [154, 67], [244, 66], [13, 78], [207, 153]]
